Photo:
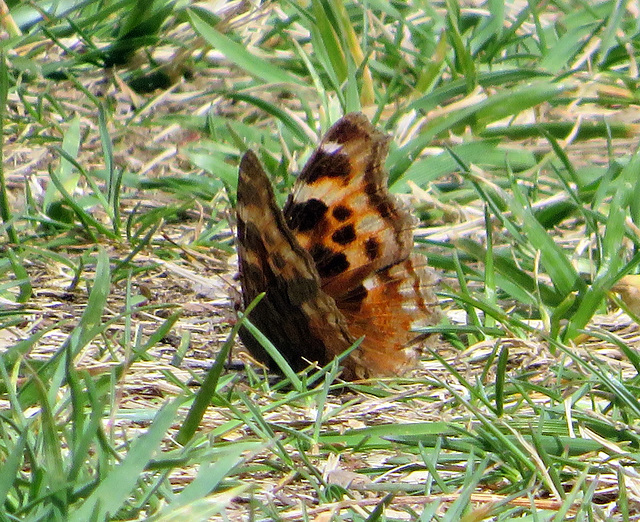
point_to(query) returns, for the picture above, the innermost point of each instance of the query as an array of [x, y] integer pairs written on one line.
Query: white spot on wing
[[408, 307], [331, 147], [370, 283], [406, 290]]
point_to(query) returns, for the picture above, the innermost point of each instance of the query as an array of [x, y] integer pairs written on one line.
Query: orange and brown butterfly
[[336, 263]]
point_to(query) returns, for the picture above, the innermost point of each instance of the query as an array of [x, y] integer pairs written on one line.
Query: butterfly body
[[336, 262]]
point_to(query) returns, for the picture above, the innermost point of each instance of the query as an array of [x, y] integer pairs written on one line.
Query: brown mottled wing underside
[[299, 319], [336, 264]]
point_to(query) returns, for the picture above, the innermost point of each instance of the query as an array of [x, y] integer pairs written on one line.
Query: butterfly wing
[[301, 321], [361, 238], [386, 308], [341, 210]]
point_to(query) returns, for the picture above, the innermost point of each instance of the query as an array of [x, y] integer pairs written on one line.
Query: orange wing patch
[[341, 210], [385, 308], [337, 259]]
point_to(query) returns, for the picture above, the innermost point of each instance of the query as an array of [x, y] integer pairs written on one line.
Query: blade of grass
[[611, 31], [463, 58], [209, 478], [203, 508], [238, 54], [612, 246], [479, 114], [5, 211], [210, 384], [22, 276], [66, 175], [114, 175], [352, 43], [326, 24], [279, 113], [87, 220], [501, 372], [117, 483], [554, 259]]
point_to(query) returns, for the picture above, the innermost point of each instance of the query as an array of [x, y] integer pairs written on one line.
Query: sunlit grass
[[122, 129]]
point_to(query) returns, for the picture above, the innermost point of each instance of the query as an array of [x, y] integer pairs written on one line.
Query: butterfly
[[336, 262]]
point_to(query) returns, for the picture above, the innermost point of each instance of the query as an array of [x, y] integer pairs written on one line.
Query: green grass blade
[[12, 463], [114, 175], [21, 275], [611, 31], [91, 318], [501, 372], [5, 211], [277, 357], [210, 476], [239, 55], [66, 175], [480, 115], [326, 27], [85, 218], [463, 57], [276, 111], [210, 384], [204, 508], [118, 483]]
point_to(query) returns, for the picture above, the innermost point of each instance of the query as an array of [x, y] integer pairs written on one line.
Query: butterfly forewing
[[341, 210]]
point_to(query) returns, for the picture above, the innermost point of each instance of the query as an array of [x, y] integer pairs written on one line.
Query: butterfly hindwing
[[294, 313], [386, 308]]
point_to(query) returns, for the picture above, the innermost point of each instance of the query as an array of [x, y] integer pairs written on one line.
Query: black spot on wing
[[385, 208], [333, 266], [370, 189], [305, 216], [341, 213], [346, 130], [241, 228], [344, 236], [251, 238], [325, 165], [277, 260], [372, 248], [328, 262], [385, 274], [379, 200], [353, 299], [253, 281]]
